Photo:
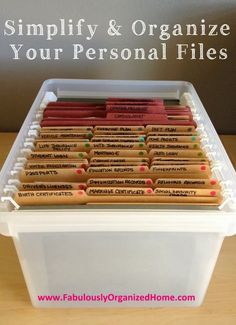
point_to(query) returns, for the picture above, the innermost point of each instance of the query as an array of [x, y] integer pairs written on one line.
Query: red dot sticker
[[142, 168], [79, 171], [81, 187], [149, 182], [213, 182], [149, 191], [203, 168], [213, 193], [80, 192]]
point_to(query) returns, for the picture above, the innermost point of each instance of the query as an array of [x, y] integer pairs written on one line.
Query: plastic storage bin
[[137, 250]]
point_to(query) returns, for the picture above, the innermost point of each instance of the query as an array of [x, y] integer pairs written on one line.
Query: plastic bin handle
[[4, 228], [231, 231]]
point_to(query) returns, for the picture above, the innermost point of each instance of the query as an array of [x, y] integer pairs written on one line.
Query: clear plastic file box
[[117, 250]]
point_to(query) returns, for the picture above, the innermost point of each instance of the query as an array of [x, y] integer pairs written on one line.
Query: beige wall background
[[215, 80]]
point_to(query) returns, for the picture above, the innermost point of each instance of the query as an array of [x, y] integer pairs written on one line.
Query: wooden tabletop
[[219, 306]]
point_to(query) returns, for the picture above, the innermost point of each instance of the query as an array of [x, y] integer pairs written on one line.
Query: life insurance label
[[72, 146], [117, 191], [119, 182]]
